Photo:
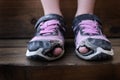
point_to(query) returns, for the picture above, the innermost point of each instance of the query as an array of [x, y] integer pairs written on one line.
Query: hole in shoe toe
[[55, 51], [84, 52]]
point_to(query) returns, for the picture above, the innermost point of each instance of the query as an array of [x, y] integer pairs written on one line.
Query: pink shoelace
[[89, 27], [49, 27]]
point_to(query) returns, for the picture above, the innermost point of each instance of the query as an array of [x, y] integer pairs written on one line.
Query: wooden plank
[[18, 17], [15, 66], [96, 72], [109, 16], [15, 55], [14, 73], [23, 42], [13, 43], [117, 72], [2, 76]]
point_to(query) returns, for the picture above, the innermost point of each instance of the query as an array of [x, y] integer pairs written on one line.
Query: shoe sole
[[37, 55], [100, 55]]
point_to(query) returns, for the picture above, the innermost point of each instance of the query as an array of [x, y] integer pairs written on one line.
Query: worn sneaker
[[88, 35], [49, 36]]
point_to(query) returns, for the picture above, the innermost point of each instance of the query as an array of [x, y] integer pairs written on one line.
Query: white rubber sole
[[99, 51], [38, 53]]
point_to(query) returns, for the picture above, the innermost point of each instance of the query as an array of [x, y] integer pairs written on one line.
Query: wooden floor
[[15, 66]]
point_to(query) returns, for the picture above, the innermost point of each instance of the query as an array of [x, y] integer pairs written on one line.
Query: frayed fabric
[[49, 35], [88, 33]]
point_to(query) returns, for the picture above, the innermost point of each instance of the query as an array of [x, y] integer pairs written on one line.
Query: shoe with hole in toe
[[49, 37], [88, 34]]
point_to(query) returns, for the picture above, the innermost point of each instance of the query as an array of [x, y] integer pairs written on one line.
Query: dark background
[[17, 17]]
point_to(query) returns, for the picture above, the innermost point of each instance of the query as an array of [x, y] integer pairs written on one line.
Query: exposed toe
[[83, 50], [57, 51]]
